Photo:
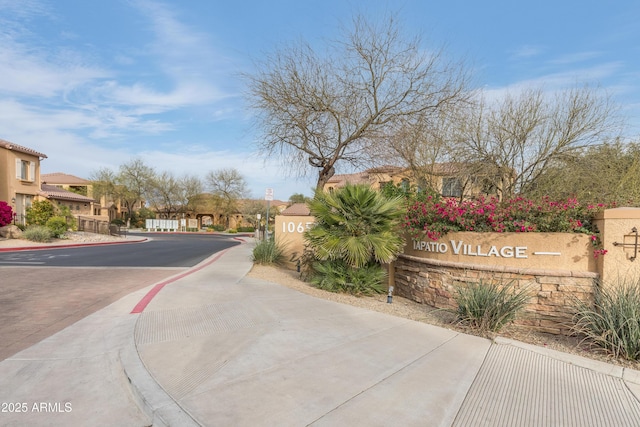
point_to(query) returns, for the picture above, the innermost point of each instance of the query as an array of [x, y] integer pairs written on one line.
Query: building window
[[451, 187], [25, 170]]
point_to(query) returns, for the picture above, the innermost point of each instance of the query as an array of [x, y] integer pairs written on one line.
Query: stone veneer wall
[[553, 292]]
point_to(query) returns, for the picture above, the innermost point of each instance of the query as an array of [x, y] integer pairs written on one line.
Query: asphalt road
[[162, 250], [44, 291]]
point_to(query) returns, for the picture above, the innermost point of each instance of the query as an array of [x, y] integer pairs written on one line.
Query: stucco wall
[[289, 231], [618, 238], [557, 251]]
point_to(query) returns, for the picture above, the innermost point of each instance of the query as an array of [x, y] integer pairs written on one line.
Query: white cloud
[[527, 51]]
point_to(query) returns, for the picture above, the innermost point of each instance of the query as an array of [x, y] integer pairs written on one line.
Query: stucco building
[[450, 179], [19, 176]]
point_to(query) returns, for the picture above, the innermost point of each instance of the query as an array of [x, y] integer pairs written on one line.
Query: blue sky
[[93, 84]]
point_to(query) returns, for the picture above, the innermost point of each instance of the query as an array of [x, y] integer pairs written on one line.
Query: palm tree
[[356, 229]]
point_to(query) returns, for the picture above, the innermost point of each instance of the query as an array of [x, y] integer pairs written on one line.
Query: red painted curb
[[139, 308]]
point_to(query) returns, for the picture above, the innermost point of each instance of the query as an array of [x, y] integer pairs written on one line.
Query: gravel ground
[[408, 309], [69, 237]]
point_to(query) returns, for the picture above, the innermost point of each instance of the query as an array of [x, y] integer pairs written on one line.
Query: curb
[[150, 397], [71, 245]]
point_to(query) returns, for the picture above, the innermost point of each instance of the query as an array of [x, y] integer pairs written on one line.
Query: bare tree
[[171, 195], [512, 142], [164, 194], [103, 183], [229, 187], [424, 145], [134, 179], [190, 188], [325, 109], [129, 186]]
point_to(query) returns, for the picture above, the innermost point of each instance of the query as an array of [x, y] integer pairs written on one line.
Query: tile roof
[[351, 178], [53, 192], [19, 148], [62, 178], [297, 209]]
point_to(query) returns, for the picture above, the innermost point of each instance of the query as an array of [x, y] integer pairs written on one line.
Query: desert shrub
[[268, 251], [39, 212], [613, 321], [337, 276], [489, 306], [38, 233], [6, 214], [58, 225]]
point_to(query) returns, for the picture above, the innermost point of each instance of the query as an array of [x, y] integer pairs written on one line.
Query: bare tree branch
[[336, 108]]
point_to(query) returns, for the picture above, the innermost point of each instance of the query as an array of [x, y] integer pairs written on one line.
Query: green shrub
[[337, 276], [38, 233], [246, 229], [217, 227], [613, 322], [58, 226], [39, 212], [232, 231], [268, 252], [489, 306]]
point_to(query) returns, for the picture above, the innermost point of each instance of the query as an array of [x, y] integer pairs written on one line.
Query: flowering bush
[[6, 214], [437, 216]]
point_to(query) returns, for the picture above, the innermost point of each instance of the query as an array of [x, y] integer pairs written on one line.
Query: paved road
[[162, 250], [38, 298]]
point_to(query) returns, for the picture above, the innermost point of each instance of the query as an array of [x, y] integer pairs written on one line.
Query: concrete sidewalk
[[216, 348]]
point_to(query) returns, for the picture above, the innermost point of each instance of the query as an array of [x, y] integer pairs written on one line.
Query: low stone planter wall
[[430, 276]]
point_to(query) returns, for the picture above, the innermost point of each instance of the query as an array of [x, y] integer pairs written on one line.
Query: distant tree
[[600, 174], [104, 183], [134, 180], [130, 185], [190, 187], [326, 108], [424, 143], [511, 143], [229, 186], [164, 194], [298, 198], [252, 208]]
